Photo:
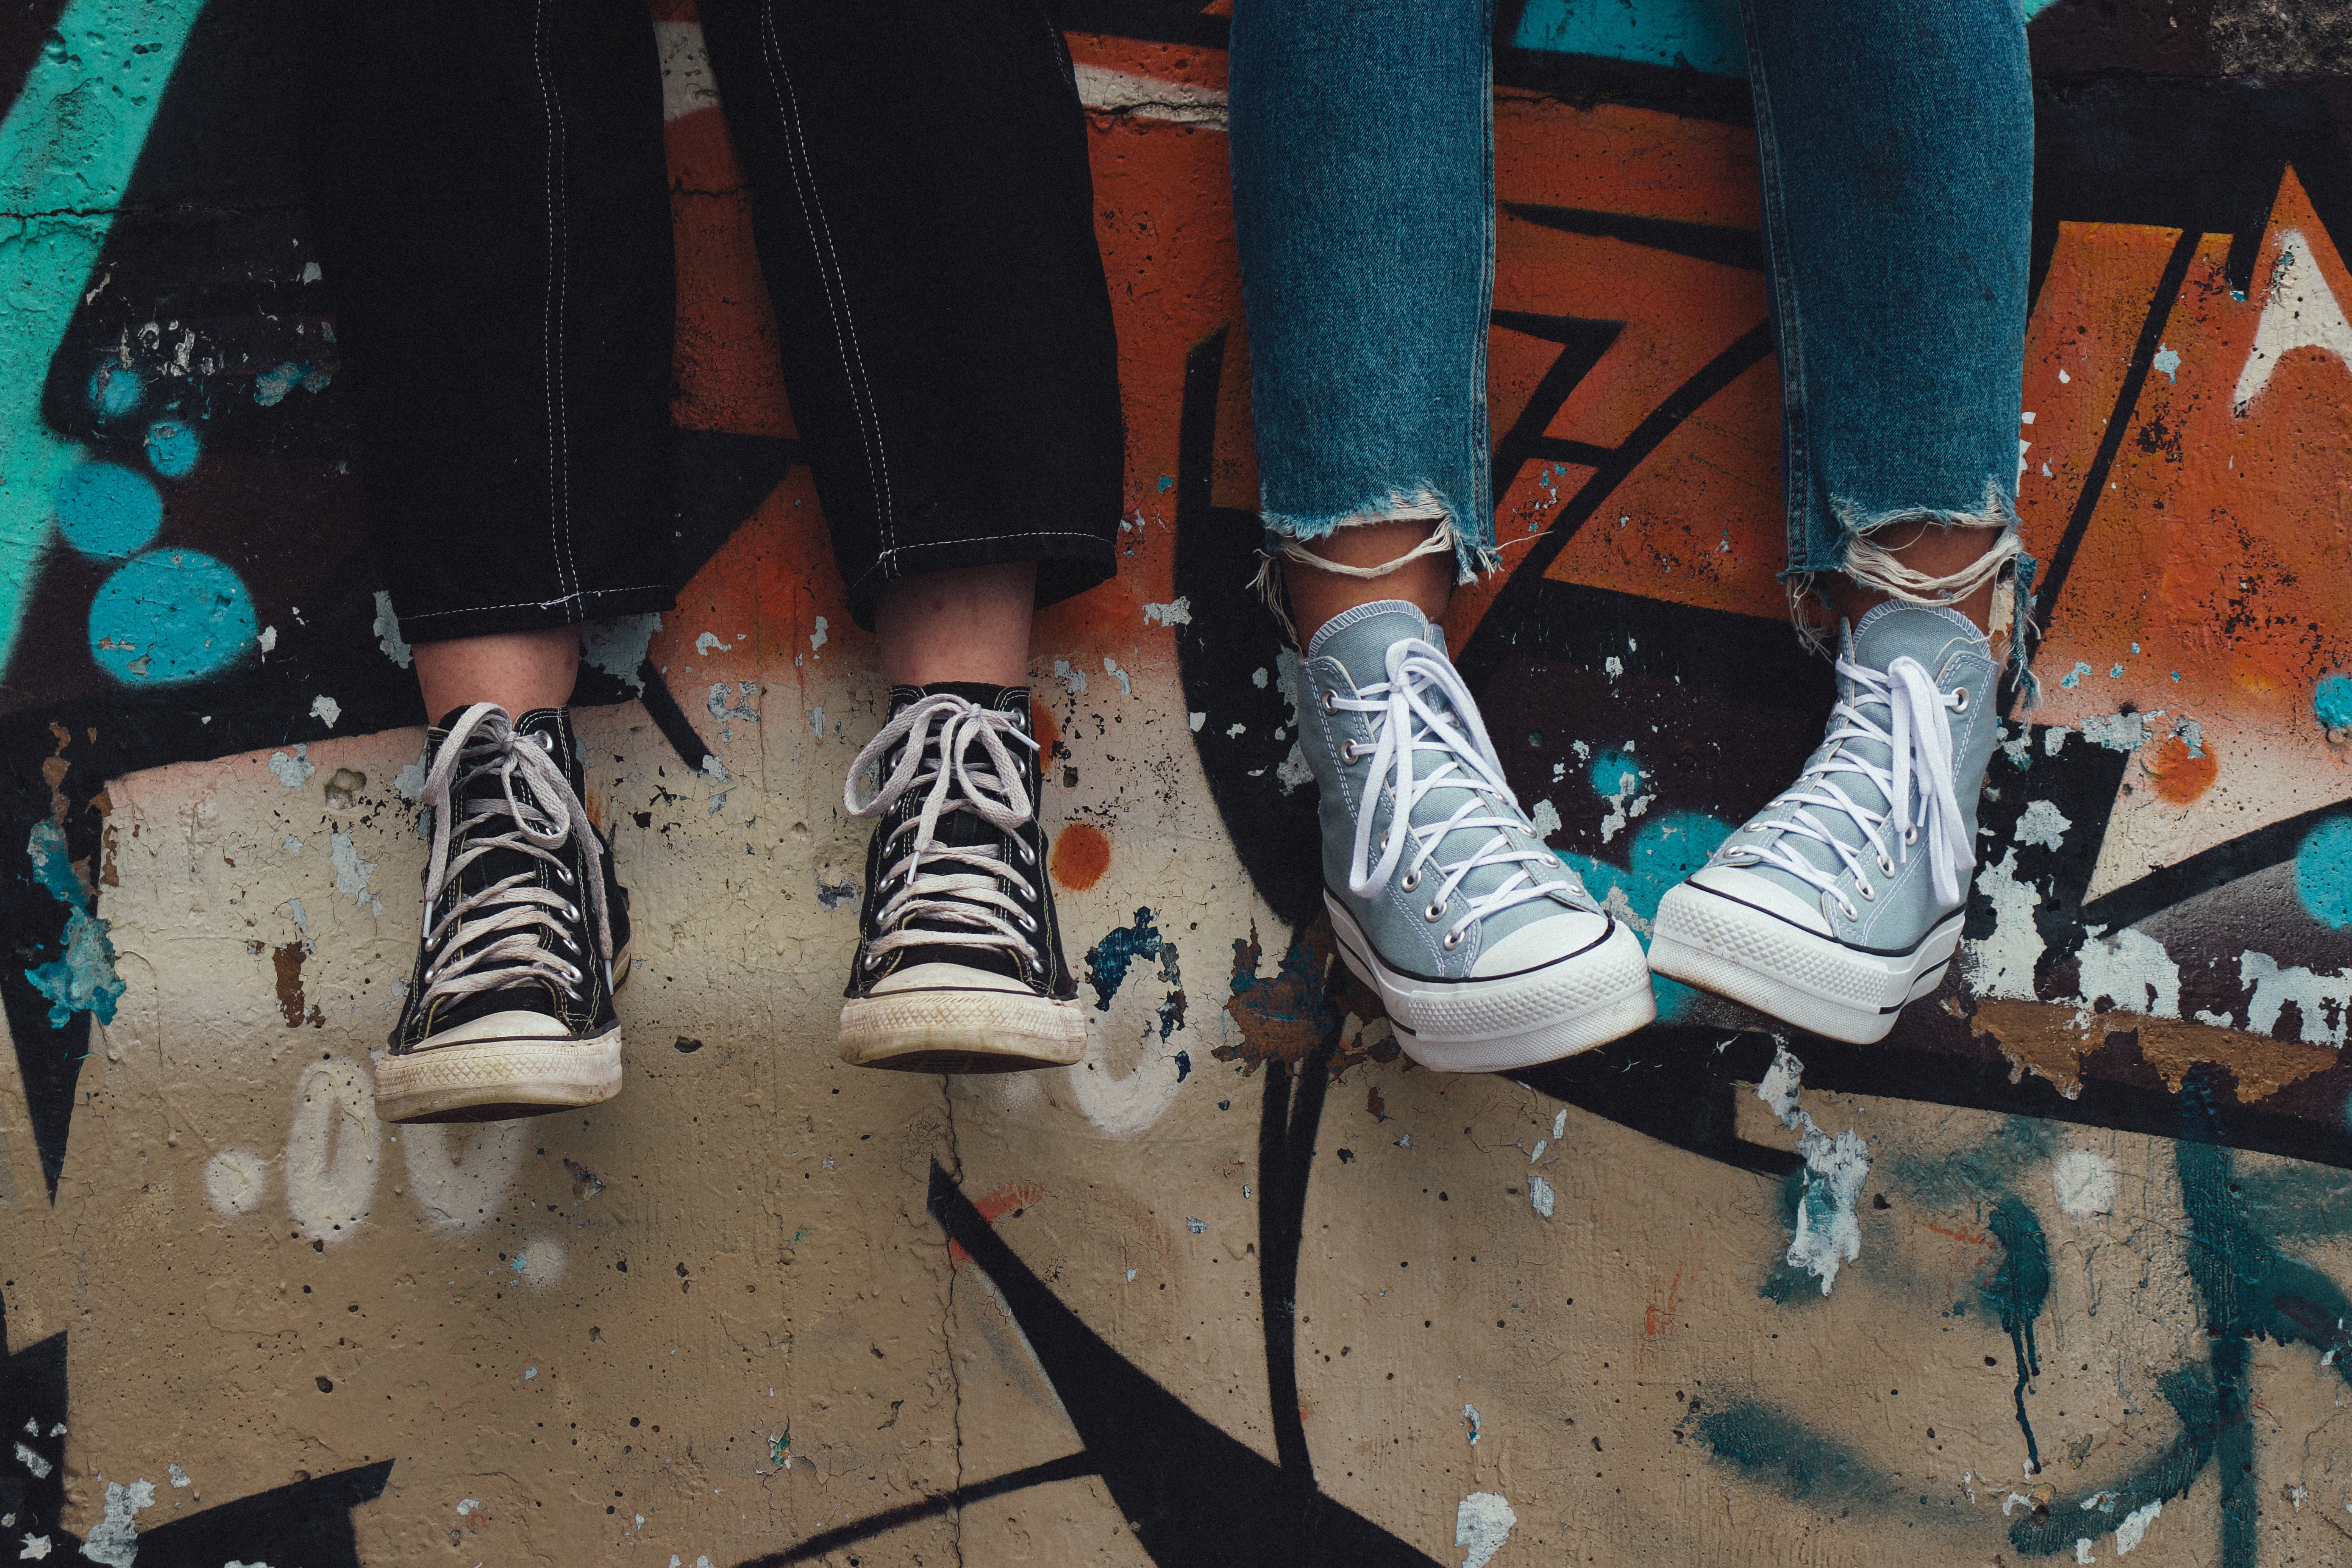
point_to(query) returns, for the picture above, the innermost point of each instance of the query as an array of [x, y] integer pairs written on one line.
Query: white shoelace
[[960, 885], [511, 929], [1921, 748], [1406, 722]]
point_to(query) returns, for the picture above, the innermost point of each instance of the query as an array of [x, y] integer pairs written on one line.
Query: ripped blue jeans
[[1896, 144]]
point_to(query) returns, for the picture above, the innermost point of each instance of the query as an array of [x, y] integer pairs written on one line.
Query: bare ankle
[[1316, 596]]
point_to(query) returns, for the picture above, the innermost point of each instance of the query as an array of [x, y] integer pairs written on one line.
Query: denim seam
[[829, 278], [1797, 481]]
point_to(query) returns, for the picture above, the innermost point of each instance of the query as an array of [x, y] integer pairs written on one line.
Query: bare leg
[[971, 624], [519, 671], [1317, 596], [1927, 548]]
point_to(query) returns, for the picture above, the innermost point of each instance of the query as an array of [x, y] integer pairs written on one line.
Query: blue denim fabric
[[1363, 198], [1896, 140], [1897, 146]]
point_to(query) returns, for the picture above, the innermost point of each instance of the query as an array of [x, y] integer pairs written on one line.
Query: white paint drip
[[330, 1154], [293, 771], [619, 646], [1177, 611], [351, 874], [1541, 1144], [2132, 971], [2001, 965], [236, 1181], [1480, 1525], [1828, 1230], [114, 1540], [461, 1180], [2086, 1186], [2311, 993], [387, 630], [1546, 818], [1539, 1196], [326, 710], [2299, 312], [2043, 824], [2134, 1528]]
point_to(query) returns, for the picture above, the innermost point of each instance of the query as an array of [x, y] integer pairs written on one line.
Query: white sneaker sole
[[938, 1030], [1574, 1003], [494, 1079], [1814, 982]]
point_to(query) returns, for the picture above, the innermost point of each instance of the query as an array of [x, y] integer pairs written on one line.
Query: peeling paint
[[1829, 1231]]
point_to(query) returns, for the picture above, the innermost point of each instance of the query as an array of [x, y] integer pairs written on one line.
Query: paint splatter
[[237, 1181], [169, 616], [619, 646], [2134, 1528], [1283, 1017], [293, 771], [2323, 874], [1828, 1229], [326, 710], [1540, 1196], [2086, 1183], [1081, 855], [1177, 611], [1470, 1420], [1480, 1525], [84, 978], [2019, 1290], [106, 511], [2043, 824], [270, 387], [387, 630], [1109, 958], [2331, 704], [351, 874], [114, 1540]]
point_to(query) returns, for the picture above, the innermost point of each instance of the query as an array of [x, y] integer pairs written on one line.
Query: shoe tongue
[[1895, 629], [964, 829], [1359, 638]]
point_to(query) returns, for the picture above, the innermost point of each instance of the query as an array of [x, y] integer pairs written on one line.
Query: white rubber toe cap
[[1541, 942], [1767, 895]]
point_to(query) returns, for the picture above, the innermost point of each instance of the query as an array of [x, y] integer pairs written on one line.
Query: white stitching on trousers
[[836, 290], [551, 318], [536, 603]]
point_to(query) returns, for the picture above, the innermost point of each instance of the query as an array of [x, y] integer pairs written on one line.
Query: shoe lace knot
[[1922, 812], [516, 928], [960, 758], [1424, 708]]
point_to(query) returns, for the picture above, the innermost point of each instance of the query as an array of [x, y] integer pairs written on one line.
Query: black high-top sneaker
[[958, 964], [526, 933]]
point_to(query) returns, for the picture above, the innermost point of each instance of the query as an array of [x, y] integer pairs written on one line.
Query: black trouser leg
[[924, 211], [488, 177]]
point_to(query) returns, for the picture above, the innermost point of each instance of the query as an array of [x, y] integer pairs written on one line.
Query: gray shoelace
[[511, 929], [958, 886]]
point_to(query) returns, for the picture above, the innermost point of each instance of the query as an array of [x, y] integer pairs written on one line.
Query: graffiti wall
[[2059, 1271]]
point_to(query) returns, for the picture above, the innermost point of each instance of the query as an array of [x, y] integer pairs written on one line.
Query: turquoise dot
[[170, 615], [2332, 701], [2323, 872], [115, 389], [1608, 771], [108, 511], [173, 448]]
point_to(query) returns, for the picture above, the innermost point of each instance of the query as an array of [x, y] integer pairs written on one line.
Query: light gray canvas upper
[[1905, 904], [1349, 657]]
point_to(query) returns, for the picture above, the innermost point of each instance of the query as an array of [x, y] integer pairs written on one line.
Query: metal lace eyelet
[[1347, 753], [1885, 866], [1434, 914], [1027, 924], [1869, 893], [1911, 835], [546, 742], [576, 973], [1960, 700], [563, 876], [1850, 912], [571, 911], [1453, 940], [1330, 700], [1412, 880]]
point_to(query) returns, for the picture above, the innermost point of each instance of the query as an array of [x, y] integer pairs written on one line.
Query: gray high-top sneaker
[[1841, 899], [1487, 951]]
